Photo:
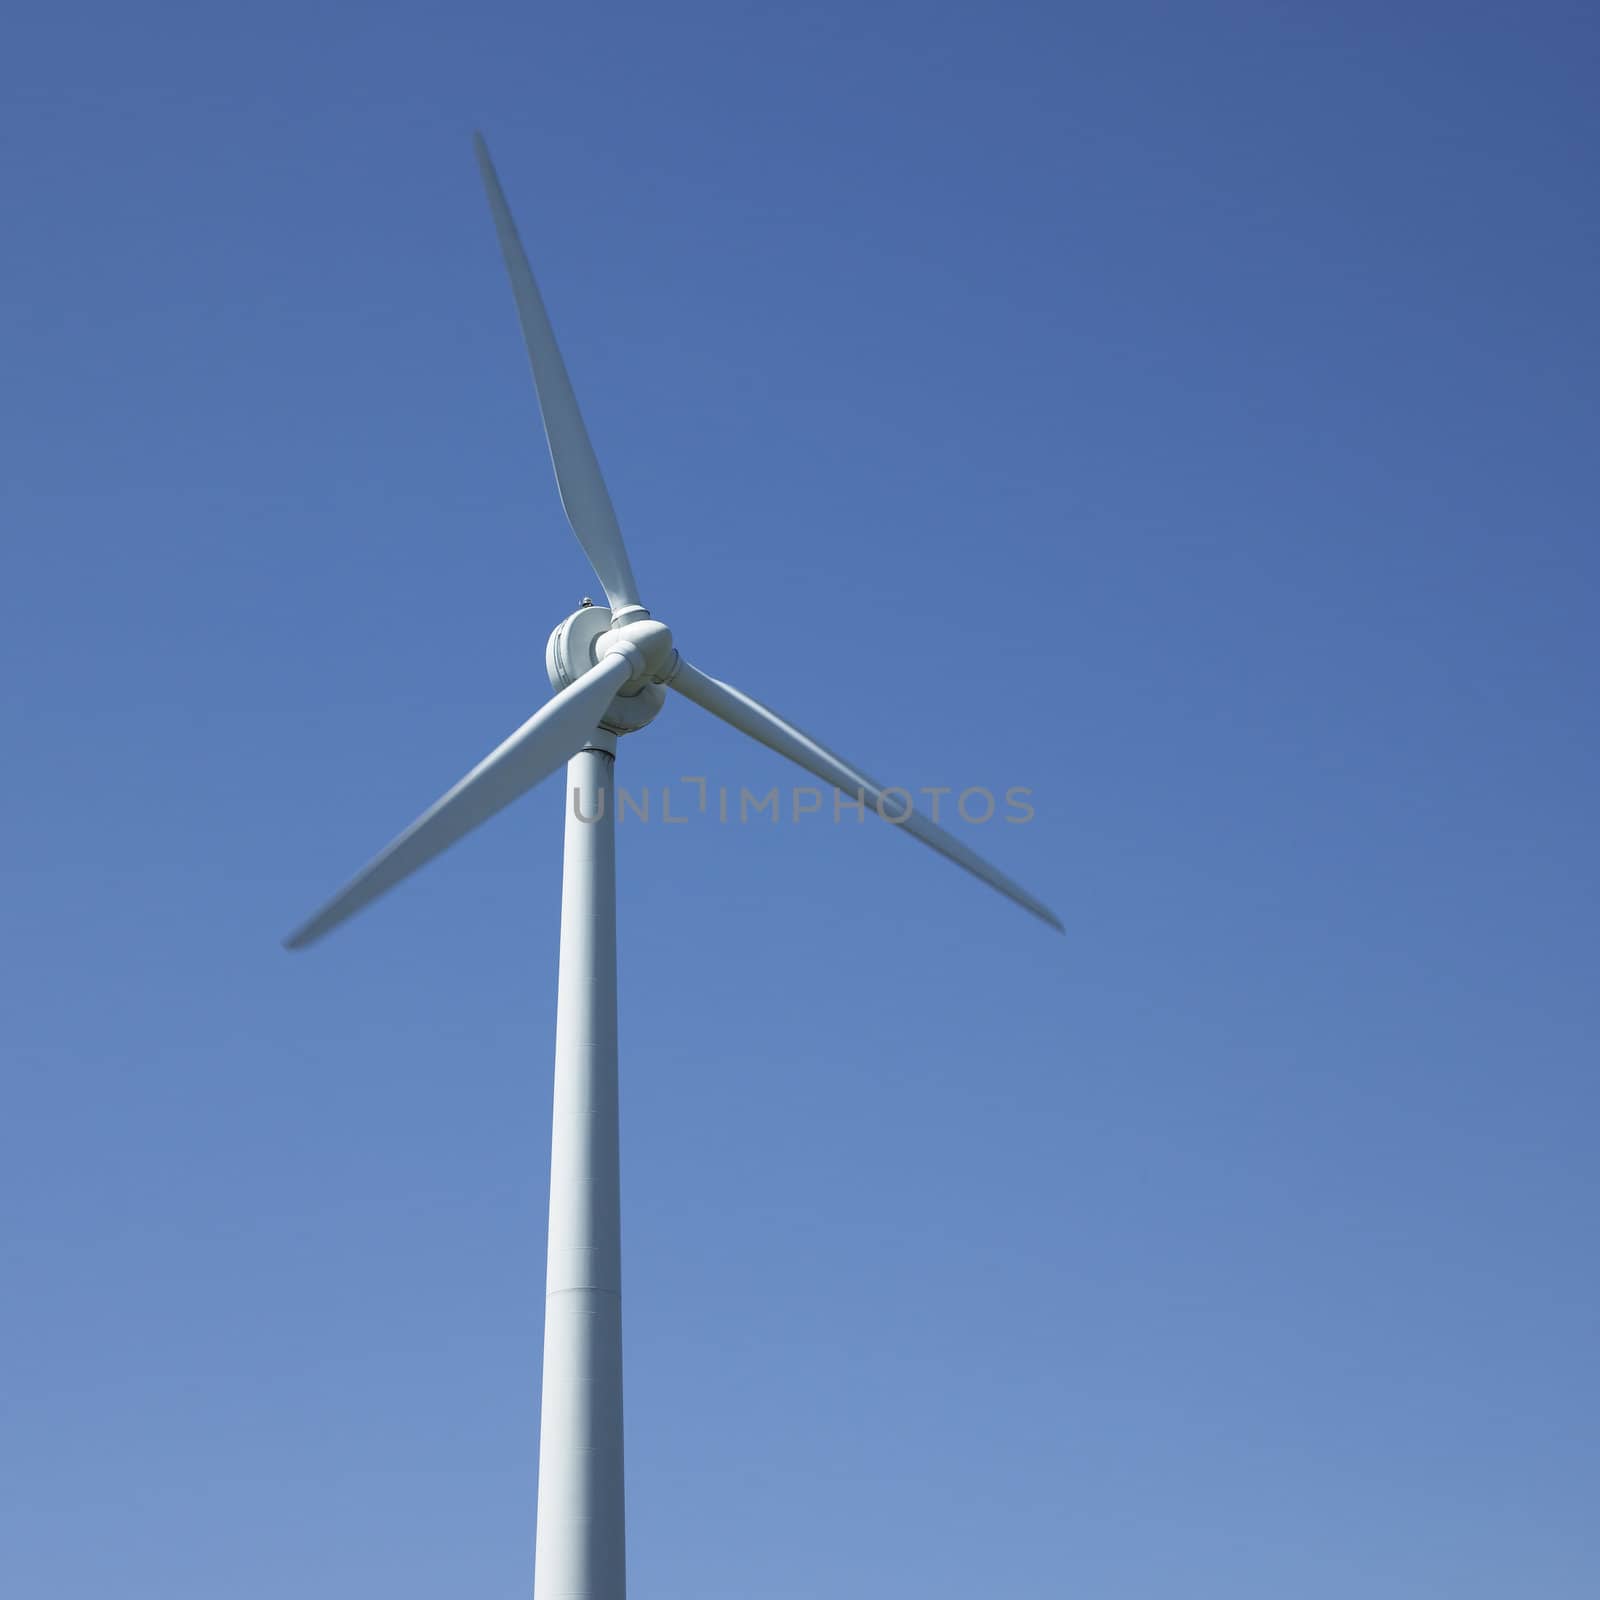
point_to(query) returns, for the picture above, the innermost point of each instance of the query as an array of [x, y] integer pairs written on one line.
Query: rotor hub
[[591, 634]]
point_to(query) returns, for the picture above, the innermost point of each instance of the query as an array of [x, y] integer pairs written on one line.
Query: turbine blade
[[551, 736], [765, 725], [583, 490]]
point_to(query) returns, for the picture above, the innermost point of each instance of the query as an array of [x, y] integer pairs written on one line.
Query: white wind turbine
[[610, 668]]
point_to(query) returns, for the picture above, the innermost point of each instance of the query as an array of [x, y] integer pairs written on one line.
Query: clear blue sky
[[1185, 411]]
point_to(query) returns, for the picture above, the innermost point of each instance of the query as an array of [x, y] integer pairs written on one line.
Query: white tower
[[580, 1551]]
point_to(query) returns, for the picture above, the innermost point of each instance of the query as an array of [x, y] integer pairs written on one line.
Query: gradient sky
[[1184, 411]]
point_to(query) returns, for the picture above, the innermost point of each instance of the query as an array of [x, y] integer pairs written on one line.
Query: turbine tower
[[610, 667]]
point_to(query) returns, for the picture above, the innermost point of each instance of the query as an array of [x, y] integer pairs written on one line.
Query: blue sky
[[1186, 412]]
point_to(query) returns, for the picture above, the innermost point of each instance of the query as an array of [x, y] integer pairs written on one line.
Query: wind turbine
[[610, 667]]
